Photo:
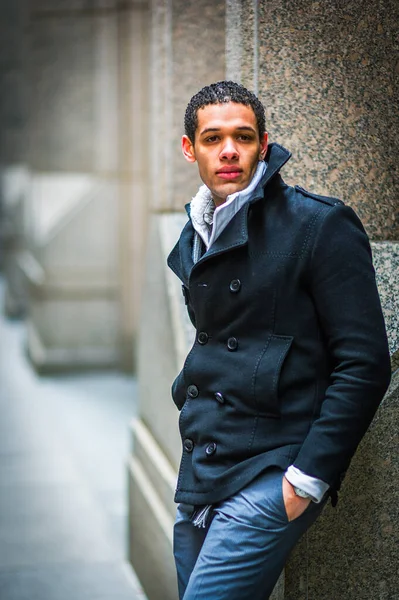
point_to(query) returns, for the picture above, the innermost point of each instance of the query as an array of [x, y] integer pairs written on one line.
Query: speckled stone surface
[[234, 49], [241, 47], [386, 263], [328, 76]]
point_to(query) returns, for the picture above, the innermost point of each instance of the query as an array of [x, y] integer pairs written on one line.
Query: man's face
[[227, 148]]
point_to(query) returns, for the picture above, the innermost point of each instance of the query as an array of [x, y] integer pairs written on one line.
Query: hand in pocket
[[294, 505]]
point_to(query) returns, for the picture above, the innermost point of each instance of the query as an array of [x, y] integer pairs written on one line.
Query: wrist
[[315, 488], [302, 494]]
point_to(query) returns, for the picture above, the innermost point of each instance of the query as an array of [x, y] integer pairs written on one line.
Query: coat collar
[[236, 233]]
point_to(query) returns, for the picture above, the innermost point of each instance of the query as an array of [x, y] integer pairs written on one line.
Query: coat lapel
[[234, 235], [180, 260]]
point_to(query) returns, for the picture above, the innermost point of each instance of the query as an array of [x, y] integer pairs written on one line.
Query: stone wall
[[327, 74]]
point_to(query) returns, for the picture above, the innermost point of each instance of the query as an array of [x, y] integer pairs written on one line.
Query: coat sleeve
[[348, 306]]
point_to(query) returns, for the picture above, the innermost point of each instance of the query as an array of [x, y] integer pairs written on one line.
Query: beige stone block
[[158, 469], [150, 536], [73, 335], [158, 361]]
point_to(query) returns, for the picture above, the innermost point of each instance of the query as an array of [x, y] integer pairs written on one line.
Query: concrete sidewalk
[[63, 499]]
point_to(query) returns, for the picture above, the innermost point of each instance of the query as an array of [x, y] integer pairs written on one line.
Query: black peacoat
[[291, 359]]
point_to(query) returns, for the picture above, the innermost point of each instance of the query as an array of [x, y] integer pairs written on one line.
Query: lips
[[229, 172]]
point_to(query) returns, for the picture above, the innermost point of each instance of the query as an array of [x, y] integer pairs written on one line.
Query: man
[[290, 359]]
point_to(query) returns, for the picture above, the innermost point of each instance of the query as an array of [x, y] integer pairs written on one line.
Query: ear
[[188, 149], [263, 146]]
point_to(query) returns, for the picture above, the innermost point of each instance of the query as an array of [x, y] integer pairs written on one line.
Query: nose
[[229, 150]]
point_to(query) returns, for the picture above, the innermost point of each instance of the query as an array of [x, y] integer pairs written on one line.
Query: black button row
[[235, 286], [232, 342], [193, 392], [188, 446]]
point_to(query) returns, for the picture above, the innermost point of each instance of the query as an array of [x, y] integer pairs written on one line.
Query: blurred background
[[93, 327]]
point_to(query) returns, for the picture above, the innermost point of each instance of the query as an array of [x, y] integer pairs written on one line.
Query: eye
[[211, 138], [244, 138]]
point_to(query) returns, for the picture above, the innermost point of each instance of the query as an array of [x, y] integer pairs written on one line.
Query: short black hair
[[218, 93]]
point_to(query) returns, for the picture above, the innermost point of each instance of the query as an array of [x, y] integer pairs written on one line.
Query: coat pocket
[[267, 374], [179, 390]]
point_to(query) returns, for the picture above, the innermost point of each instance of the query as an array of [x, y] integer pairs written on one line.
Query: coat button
[[192, 391], [211, 449], [203, 337], [235, 286], [219, 397], [188, 445], [232, 344]]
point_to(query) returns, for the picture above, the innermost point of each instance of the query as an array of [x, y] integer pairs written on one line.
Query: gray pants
[[242, 551]]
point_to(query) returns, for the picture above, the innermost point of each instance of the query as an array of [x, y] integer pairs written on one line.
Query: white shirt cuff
[[316, 488]]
